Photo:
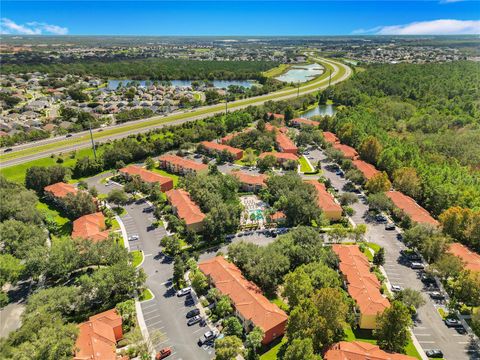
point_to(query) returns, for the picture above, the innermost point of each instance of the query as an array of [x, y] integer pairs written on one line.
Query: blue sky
[[240, 17]]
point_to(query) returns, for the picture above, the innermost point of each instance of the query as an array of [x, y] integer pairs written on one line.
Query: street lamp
[[91, 138]]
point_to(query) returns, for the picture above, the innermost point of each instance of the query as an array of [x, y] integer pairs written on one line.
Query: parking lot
[[429, 329]]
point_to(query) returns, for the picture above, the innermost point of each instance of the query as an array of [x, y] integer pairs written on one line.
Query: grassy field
[[308, 86], [64, 224], [167, 174], [137, 257], [276, 71], [272, 353], [304, 165]]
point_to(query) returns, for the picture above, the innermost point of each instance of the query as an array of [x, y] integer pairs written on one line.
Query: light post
[[91, 138]]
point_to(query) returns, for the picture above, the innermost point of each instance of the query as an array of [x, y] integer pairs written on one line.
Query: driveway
[[429, 328]]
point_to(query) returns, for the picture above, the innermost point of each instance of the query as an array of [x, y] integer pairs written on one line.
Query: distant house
[[359, 350], [285, 144], [362, 284], [469, 257], [347, 151], [278, 217], [281, 157], [97, 337], [91, 227], [368, 170], [299, 122], [251, 306], [330, 137], [182, 166], [231, 136], [249, 182], [275, 129], [184, 207], [147, 176], [326, 201], [409, 206], [215, 148], [276, 116], [58, 191]]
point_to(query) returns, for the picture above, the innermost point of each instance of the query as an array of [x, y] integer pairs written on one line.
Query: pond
[[219, 84], [301, 73], [321, 110]]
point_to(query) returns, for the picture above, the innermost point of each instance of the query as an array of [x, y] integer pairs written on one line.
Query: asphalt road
[[232, 106], [429, 328]]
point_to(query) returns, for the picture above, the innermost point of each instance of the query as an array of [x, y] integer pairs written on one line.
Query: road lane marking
[[153, 317], [426, 342]]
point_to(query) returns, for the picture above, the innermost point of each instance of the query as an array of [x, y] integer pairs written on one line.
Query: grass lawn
[[411, 350], [137, 257], [312, 85], [146, 295], [276, 71], [304, 166], [115, 225], [64, 224], [167, 174], [280, 303], [373, 246], [272, 353]]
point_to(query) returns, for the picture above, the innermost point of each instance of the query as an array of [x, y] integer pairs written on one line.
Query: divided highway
[[43, 148]]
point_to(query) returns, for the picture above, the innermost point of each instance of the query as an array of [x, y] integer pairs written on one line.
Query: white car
[[133, 238], [396, 288], [184, 291]]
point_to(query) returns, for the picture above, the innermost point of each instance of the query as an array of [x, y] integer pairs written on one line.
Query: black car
[[69, 135], [426, 279], [434, 353], [194, 320], [381, 218], [193, 313], [7, 150]]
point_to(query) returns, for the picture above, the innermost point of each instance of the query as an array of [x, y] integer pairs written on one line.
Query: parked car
[[399, 237], [427, 279], [453, 323], [7, 150], [417, 266], [192, 313], [340, 173], [162, 354], [390, 226], [436, 295], [411, 255], [69, 135], [194, 320], [434, 353], [381, 218], [396, 288], [184, 291], [208, 336], [133, 238]]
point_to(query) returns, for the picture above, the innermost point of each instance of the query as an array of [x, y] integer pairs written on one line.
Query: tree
[[297, 286], [466, 288], [223, 307], [447, 266], [253, 341], [300, 349], [10, 269], [171, 244], [233, 327], [149, 163], [411, 298], [37, 177], [378, 183], [379, 202], [370, 149], [347, 198], [117, 197], [199, 282], [93, 191], [178, 270], [249, 156], [79, 204], [228, 348], [393, 326], [379, 257], [266, 163], [407, 181]]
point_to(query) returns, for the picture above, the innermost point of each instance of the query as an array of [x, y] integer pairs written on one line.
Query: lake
[[321, 110], [219, 84], [301, 73]]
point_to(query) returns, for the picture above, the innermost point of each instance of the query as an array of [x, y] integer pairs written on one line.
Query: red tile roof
[[471, 259], [363, 285], [229, 137], [286, 144], [184, 163], [91, 227], [270, 127], [368, 170], [347, 151], [220, 147], [146, 175], [280, 156], [250, 179], [186, 208], [326, 201], [279, 215], [417, 213], [276, 116], [330, 137], [98, 336], [358, 350], [303, 121], [245, 295], [60, 189]]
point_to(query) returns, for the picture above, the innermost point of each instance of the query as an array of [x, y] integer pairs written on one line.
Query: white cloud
[[8, 26], [434, 27]]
